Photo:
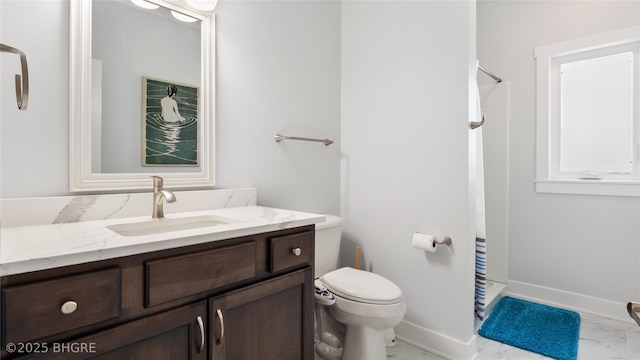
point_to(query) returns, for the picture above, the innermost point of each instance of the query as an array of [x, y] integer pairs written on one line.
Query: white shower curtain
[[481, 253], [481, 245]]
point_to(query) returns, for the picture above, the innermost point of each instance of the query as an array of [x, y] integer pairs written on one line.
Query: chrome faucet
[[159, 195]]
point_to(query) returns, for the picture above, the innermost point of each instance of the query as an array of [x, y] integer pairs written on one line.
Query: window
[[588, 122]]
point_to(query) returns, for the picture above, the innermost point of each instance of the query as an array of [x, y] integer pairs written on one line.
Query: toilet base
[[363, 342]]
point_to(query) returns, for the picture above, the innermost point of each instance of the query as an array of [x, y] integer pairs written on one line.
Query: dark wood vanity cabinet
[[177, 334], [266, 321], [238, 299]]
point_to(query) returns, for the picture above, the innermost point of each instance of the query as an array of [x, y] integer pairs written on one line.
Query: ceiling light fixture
[[206, 5], [183, 17], [145, 4]]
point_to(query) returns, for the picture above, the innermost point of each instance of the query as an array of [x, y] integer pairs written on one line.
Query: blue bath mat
[[535, 327]]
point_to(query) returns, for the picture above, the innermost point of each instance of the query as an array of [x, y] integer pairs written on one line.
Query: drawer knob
[[296, 251], [69, 307]]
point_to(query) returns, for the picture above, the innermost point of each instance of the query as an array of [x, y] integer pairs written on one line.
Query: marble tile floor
[[600, 339]]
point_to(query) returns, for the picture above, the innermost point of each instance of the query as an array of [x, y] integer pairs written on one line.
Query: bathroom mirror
[[140, 108]]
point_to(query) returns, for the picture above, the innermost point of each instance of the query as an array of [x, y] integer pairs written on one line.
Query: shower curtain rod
[[497, 79]]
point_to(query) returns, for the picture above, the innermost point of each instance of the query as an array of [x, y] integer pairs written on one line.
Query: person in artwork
[[169, 105]]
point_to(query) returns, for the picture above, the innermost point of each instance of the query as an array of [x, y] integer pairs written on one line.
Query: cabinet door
[[272, 320], [172, 335]]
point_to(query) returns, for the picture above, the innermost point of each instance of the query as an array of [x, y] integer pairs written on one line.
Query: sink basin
[[165, 225]]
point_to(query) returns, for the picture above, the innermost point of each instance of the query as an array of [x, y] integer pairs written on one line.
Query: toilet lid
[[362, 286]]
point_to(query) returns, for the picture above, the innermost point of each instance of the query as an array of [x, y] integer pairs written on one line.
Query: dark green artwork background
[[170, 143]]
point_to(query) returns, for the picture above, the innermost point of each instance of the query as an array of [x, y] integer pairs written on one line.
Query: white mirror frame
[[81, 177]]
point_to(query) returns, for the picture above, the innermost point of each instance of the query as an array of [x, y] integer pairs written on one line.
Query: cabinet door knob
[[202, 338], [296, 251], [68, 307]]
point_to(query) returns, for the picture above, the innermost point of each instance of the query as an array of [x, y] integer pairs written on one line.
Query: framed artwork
[[169, 123]]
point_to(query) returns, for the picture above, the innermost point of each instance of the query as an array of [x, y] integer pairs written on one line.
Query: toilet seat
[[362, 286]]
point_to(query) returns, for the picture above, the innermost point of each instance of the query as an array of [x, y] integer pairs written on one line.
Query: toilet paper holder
[[429, 243]]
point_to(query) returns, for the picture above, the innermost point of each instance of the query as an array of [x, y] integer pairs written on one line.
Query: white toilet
[[353, 307]]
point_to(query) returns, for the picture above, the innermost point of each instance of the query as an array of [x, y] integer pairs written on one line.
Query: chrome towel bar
[[22, 81], [279, 138]]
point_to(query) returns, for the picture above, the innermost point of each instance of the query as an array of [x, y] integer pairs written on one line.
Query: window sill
[[589, 187]]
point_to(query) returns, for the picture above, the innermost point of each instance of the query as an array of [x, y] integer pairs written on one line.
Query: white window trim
[[545, 182]]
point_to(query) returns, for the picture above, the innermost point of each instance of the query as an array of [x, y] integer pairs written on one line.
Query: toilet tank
[[328, 236]]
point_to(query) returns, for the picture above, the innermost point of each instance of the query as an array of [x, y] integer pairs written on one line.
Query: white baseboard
[[495, 291], [568, 300], [436, 343], [449, 348]]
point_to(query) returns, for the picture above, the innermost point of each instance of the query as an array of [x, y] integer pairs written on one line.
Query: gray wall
[[581, 251], [278, 70], [407, 71], [34, 143]]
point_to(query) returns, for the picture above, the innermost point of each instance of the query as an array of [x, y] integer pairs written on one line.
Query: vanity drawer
[[291, 250], [44, 308], [185, 275]]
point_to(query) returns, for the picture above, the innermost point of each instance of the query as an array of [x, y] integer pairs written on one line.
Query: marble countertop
[[32, 248]]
